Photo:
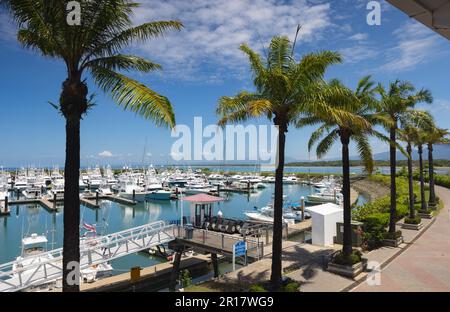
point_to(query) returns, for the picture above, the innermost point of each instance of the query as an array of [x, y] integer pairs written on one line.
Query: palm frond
[[135, 96], [364, 151], [327, 142], [124, 62]]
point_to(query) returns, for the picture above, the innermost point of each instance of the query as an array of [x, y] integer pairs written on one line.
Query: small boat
[[105, 190], [95, 272], [56, 191], [32, 193], [159, 195]]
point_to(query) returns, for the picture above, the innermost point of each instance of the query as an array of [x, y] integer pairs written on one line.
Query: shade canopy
[[434, 14], [203, 199]]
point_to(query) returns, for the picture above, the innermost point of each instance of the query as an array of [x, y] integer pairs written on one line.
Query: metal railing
[[223, 241], [47, 267]]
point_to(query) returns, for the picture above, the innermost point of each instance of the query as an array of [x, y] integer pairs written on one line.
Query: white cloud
[[359, 37], [105, 154], [416, 45], [214, 29], [7, 29], [358, 53]]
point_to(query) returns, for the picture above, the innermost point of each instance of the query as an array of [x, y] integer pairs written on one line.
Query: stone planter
[[425, 215], [415, 227], [393, 242], [347, 270]]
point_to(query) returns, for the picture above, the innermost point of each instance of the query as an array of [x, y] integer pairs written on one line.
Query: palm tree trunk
[[412, 211], [432, 198], [423, 205], [347, 239], [393, 161], [73, 104], [278, 211]]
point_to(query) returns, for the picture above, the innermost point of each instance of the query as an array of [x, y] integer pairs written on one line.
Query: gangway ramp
[[43, 269]]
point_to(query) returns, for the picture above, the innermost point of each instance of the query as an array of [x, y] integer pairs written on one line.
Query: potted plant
[[412, 223], [347, 266], [393, 239], [425, 214]]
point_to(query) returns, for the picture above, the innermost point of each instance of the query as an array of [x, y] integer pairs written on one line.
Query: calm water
[[113, 217], [320, 170]]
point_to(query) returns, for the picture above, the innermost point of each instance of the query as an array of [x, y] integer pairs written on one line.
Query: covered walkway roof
[[434, 14]]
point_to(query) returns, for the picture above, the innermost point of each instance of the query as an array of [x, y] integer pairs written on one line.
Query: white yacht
[[290, 180], [326, 195], [56, 190], [32, 246], [129, 189], [95, 178], [57, 178]]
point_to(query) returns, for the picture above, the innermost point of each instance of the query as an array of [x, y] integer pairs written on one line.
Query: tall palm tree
[[394, 103], [284, 89], [412, 124], [360, 105], [93, 47], [420, 142], [433, 136], [409, 134]]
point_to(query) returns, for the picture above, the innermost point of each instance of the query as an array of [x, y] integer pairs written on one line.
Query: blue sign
[[240, 248]]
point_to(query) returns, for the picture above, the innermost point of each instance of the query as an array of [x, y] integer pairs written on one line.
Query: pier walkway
[[41, 269]]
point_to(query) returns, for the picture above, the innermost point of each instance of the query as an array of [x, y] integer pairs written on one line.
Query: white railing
[[42, 269]]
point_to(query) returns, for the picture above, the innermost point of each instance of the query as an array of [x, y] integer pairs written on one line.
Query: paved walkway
[[425, 266], [422, 266]]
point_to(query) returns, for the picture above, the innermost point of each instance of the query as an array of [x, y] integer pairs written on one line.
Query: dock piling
[[96, 198], [54, 201], [175, 270], [302, 203], [215, 264], [6, 204]]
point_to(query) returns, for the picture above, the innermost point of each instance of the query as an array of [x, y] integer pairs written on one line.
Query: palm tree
[[412, 124], [408, 134], [419, 142], [94, 46], [433, 136], [360, 105], [284, 89], [394, 103]]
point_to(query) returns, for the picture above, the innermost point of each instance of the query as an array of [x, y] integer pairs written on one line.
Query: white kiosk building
[[324, 218]]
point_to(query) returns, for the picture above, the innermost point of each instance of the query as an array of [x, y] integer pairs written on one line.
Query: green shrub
[[354, 258], [186, 280], [291, 287], [415, 220], [374, 227], [257, 288], [394, 235]]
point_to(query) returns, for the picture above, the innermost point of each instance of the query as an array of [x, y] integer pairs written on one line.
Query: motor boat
[[34, 250], [325, 196], [105, 189], [290, 180], [32, 193], [56, 191], [130, 190]]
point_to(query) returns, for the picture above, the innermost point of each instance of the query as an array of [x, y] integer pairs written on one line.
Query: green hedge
[[439, 179]]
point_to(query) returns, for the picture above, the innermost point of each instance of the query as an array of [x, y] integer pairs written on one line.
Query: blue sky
[[203, 63]]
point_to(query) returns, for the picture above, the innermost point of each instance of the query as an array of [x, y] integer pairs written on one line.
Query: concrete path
[[424, 266]]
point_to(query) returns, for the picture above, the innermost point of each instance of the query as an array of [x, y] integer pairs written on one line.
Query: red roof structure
[[203, 199]]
